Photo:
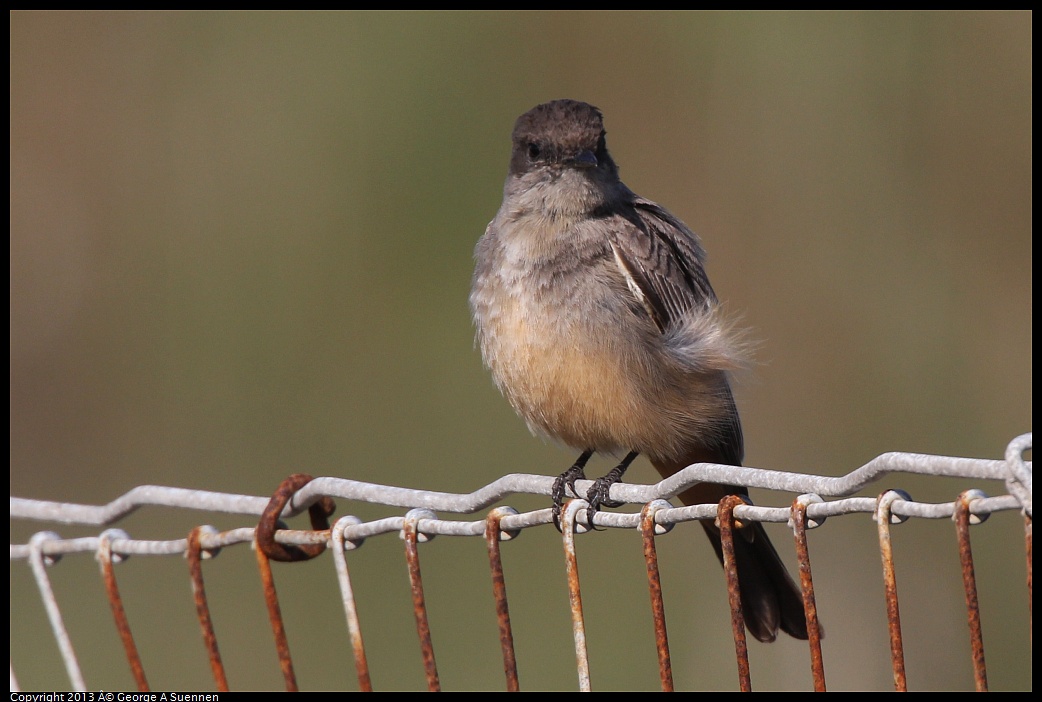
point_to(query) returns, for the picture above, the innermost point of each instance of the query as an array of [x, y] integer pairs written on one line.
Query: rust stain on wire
[[202, 609], [119, 613], [423, 629], [268, 549], [893, 614], [278, 629], [962, 527], [269, 522], [499, 591], [1027, 545], [810, 607], [348, 597], [575, 599], [725, 517], [658, 609]]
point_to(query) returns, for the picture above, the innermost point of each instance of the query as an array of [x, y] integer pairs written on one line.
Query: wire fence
[[817, 498]]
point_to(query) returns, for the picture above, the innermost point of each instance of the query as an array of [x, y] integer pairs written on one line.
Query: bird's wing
[[662, 261]]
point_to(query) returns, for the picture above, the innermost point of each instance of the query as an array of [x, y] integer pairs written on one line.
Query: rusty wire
[[106, 559], [963, 520], [727, 525], [648, 530], [810, 607], [319, 513], [268, 549], [195, 555], [493, 535], [278, 627], [893, 614], [411, 535], [1027, 545]]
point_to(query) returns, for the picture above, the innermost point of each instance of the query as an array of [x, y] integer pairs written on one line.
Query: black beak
[[583, 159]]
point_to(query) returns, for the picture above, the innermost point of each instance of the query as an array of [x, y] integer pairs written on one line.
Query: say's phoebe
[[597, 320]]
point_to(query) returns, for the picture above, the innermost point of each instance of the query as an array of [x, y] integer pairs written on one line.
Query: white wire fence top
[[1014, 471], [819, 497]]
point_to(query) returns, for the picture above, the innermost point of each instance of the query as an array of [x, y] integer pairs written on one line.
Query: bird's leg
[[598, 494], [567, 480]]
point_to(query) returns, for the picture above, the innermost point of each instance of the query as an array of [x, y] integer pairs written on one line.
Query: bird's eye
[[534, 150]]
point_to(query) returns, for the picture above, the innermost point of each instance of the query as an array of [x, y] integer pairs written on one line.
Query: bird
[[594, 313]]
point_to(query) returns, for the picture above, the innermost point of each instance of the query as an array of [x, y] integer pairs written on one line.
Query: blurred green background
[[241, 248]]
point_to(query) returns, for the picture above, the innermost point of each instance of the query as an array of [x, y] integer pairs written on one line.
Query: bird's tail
[[770, 598]]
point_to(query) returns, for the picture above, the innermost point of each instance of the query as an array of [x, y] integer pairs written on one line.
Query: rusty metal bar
[[725, 517], [962, 518], [268, 549], [106, 558], [348, 597], [278, 629], [648, 529], [194, 554], [810, 607], [412, 558], [318, 512], [883, 520], [575, 599], [1027, 544], [493, 534]]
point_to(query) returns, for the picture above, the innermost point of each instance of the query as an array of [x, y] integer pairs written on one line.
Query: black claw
[[566, 481], [597, 495]]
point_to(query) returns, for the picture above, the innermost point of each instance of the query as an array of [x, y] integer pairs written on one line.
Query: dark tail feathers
[[770, 599]]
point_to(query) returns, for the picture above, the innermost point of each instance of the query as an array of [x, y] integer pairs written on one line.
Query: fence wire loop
[[885, 504], [498, 514], [339, 536], [413, 517], [201, 533], [804, 501], [105, 551], [965, 503], [580, 526], [319, 512], [729, 507], [1018, 481], [652, 508], [36, 545]]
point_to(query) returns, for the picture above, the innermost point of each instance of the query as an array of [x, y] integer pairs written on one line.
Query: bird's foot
[[565, 482], [597, 495]]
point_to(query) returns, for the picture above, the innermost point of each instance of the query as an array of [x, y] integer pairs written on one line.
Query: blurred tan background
[[241, 248]]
